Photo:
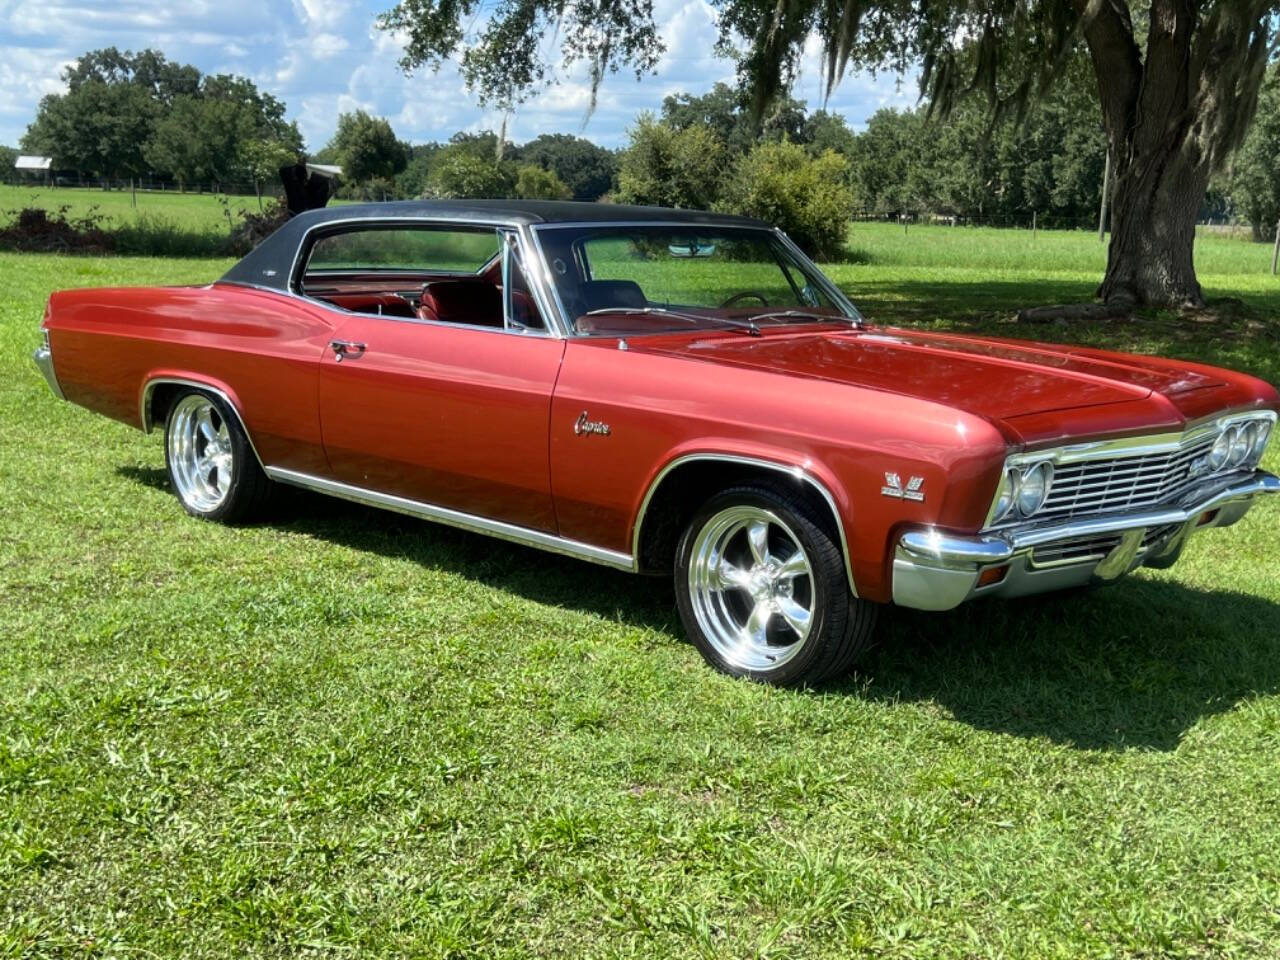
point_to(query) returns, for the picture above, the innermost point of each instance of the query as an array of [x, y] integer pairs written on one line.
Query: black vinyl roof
[[270, 263]]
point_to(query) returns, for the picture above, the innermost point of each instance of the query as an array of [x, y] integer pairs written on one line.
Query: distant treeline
[[133, 115]]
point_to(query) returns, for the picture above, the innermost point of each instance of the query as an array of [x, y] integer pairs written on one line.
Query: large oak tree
[[1177, 79]]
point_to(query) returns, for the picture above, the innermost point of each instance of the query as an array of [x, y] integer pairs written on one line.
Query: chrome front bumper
[[933, 570], [43, 358]]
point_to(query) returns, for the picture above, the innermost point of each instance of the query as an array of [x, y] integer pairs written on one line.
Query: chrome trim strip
[[43, 358], [1142, 445], [799, 473], [144, 406], [455, 518]]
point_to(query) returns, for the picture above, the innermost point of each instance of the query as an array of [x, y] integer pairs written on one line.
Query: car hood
[[1000, 380]]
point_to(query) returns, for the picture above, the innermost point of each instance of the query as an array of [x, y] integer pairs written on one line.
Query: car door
[[450, 409]]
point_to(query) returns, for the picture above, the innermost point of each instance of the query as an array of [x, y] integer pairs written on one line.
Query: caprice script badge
[[893, 488], [585, 425]]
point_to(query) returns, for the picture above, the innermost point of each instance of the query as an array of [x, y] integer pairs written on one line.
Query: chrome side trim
[[43, 358], [799, 473], [144, 406], [455, 518]]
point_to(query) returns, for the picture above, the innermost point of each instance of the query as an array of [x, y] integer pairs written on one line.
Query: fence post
[[1275, 251], [1034, 214]]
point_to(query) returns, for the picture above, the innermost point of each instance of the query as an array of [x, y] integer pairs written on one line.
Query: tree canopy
[[127, 114], [1177, 81], [366, 148]]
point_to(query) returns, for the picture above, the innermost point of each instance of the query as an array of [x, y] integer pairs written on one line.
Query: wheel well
[[689, 485], [157, 403]]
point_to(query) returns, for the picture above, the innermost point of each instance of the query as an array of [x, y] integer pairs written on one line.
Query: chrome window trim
[[148, 388], [828, 286], [797, 472], [1137, 446], [455, 518], [555, 322]]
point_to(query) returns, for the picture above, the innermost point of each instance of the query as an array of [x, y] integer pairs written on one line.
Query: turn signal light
[[992, 575]]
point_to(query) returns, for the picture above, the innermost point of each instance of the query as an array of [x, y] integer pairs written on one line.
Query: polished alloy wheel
[[751, 587], [201, 456]]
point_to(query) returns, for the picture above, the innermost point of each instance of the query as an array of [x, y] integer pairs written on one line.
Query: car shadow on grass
[[1132, 665], [1135, 664]]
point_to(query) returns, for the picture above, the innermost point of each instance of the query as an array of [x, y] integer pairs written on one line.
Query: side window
[[403, 249], [473, 276]]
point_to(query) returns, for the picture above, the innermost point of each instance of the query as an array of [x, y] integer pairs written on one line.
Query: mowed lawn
[[348, 733]]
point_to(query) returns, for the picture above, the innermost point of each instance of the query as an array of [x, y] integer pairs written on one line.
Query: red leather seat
[[462, 301]]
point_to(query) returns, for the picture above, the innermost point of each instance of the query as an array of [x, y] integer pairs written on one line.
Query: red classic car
[[666, 392]]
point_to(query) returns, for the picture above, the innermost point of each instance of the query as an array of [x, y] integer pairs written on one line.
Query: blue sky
[[323, 57]]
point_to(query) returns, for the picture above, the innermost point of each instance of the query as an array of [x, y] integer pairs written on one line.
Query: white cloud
[[326, 56]]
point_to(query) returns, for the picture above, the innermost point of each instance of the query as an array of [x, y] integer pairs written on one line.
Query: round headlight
[[1241, 446], [1008, 489], [1034, 488], [1221, 448], [1260, 441]]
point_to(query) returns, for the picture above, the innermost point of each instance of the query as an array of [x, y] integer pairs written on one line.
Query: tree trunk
[[1173, 115], [1153, 232]]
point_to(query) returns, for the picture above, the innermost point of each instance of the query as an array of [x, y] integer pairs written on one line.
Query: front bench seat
[[461, 301]]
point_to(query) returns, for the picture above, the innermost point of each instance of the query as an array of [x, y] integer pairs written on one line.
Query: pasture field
[[197, 212], [344, 732]]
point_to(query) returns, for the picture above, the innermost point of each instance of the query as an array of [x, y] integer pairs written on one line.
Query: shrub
[[806, 196], [36, 230], [534, 183], [670, 168], [460, 173]]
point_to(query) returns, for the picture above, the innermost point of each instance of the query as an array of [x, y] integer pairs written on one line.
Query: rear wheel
[[212, 467], [762, 589]]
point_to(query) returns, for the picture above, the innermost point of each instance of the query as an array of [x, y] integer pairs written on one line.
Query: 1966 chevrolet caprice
[[665, 392]]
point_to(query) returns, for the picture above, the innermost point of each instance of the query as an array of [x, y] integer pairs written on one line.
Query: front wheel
[[212, 466], [762, 590]]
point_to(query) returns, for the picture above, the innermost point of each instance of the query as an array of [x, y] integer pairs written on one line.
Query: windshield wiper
[[748, 325], [804, 315]]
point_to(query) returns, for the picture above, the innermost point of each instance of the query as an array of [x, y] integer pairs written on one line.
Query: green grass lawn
[[347, 733], [197, 212]]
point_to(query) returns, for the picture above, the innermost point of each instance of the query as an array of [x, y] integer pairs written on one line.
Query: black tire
[[248, 491], [839, 625]]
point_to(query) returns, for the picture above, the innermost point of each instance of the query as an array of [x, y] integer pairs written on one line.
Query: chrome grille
[[1090, 487], [1080, 549]]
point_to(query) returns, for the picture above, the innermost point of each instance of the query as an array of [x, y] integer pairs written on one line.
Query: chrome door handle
[[346, 348]]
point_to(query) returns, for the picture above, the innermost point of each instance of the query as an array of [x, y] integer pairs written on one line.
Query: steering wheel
[[743, 296]]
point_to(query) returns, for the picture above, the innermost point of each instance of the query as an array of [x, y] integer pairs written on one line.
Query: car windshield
[[615, 280]]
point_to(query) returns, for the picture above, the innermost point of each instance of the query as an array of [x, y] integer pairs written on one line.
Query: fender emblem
[[585, 425], [893, 488]]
